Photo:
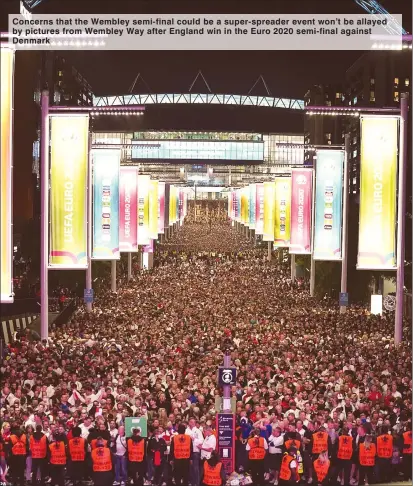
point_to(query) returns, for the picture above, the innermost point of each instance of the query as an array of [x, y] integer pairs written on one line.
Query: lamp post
[[344, 236]]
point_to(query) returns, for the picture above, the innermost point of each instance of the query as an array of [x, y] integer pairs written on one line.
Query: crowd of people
[[321, 397]]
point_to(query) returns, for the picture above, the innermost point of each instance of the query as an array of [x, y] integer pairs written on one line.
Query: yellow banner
[[153, 210], [144, 182], [269, 211], [377, 227], [7, 68], [282, 212], [68, 182], [172, 205]]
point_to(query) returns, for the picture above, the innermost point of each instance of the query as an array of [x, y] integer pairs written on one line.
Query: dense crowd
[[320, 398]]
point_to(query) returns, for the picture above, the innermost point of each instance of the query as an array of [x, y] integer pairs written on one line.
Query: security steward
[[289, 468], [407, 452], [58, 459], [136, 448], [367, 459], [102, 467], [321, 442], [344, 454], [181, 453], [18, 452], [256, 448], [77, 456], [384, 454], [321, 468], [38, 450], [213, 472]]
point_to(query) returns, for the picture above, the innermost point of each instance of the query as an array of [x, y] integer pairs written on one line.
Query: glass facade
[[274, 149], [197, 150]]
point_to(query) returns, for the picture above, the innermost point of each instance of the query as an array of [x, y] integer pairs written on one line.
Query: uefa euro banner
[[7, 74], [328, 205], [238, 218], [167, 203], [301, 202], [153, 210], [378, 171], [282, 212], [106, 167], [259, 209], [68, 184], [128, 212], [251, 205], [269, 211], [143, 209], [172, 205], [161, 207]]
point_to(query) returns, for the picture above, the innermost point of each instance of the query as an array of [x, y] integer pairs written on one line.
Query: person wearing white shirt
[[197, 441], [85, 427], [209, 444], [275, 443]]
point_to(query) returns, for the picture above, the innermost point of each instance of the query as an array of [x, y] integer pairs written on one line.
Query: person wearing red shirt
[[374, 394]]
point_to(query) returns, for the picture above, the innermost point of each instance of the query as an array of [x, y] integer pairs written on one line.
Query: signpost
[[343, 299], [226, 440], [88, 296], [227, 376], [136, 423]]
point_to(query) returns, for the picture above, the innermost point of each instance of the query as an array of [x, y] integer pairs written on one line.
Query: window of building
[[372, 96], [328, 136], [60, 74], [372, 81], [396, 81], [355, 100], [407, 82], [396, 96], [328, 103], [338, 96], [354, 153]]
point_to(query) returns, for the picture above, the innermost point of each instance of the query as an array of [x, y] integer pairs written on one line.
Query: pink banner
[[301, 197], [259, 209], [161, 207], [128, 230]]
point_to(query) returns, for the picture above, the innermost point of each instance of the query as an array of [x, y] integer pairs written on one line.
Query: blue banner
[[328, 204], [106, 166], [252, 205]]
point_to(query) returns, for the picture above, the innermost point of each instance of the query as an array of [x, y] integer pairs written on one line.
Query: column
[[113, 276]]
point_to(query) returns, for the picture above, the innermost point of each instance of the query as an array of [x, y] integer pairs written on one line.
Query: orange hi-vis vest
[[367, 455], [257, 451], [285, 471], [182, 446], [57, 453], [101, 459], [320, 442], [136, 450], [18, 445], [321, 469], [385, 446], [345, 447], [292, 443], [93, 443], [77, 449], [212, 475], [38, 448], [407, 442]]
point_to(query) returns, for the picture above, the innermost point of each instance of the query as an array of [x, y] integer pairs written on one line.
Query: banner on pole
[[269, 211], [161, 207], [301, 202], [167, 205], [7, 76], [282, 212], [378, 185], [172, 205], [153, 210], [68, 185], [106, 166], [143, 209], [128, 212], [328, 205], [251, 205], [259, 210]]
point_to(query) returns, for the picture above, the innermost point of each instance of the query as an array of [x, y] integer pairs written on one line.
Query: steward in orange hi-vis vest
[[345, 447], [320, 442], [77, 451], [257, 451], [18, 445], [321, 469], [77, 456], [38, 448], [385, 446], [101, 459], [367, 454], [57, 453], [136, 450], [212, 474], [182, 446], [289, 467]]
